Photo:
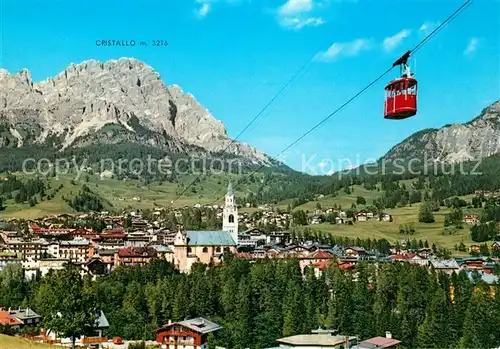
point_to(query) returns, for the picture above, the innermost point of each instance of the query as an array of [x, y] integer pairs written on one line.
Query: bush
[[137, 345]]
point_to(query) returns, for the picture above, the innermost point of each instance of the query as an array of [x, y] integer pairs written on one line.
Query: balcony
[[94, 340]]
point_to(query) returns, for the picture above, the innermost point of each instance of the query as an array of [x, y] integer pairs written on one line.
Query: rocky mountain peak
[[87, 96], [477, 139]]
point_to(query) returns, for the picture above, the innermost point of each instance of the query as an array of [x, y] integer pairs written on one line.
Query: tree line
[[260, 302]]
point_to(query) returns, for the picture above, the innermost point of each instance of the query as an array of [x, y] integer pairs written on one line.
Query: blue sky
[[234, 55]]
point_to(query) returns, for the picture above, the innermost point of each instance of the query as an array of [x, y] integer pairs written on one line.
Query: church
[[202, 246]]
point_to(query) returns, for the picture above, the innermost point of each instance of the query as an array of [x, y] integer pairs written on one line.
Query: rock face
[[73, 108], [454, 143]]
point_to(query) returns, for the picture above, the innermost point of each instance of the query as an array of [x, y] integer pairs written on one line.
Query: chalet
[[296, 249], [361, 217], [36, 229], [137, 239], [277, 237], [424, 252], [471, 219], [101, 324], [447, 266], [188, 334], [354, 251], [8, 320], [378, 343], [474, 248], [135, 255], [139, 224], [495, 246], [489, 267], [412, 258], [26, 316], [314, 257], [80, 232], [316, 220], [386, 217], [320, 267], [96, 267]]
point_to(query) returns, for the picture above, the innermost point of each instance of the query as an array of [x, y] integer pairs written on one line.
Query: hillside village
[[132, 239]]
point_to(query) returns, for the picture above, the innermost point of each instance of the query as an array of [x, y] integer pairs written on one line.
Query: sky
[[235, 55]]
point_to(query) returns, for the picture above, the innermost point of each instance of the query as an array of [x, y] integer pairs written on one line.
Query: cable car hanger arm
[[403, 59]]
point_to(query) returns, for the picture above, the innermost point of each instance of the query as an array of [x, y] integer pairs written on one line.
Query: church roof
[[209, 238]]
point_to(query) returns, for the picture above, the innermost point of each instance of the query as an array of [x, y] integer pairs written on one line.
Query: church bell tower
[[230, 214]]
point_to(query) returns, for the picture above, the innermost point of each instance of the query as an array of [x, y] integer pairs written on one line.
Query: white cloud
[[203, 10], [206, 6], [392, 42], [471, 47], [339, 49], [428, 26], [295, 14], [293, 7], [299, 23]]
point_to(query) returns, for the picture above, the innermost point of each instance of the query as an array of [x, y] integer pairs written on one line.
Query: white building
[[230, 214]]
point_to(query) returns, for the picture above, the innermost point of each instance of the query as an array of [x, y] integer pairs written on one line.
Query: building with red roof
[[8, 320]]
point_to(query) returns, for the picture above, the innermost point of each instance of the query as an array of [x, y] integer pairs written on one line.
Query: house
[[495, 246], [316, 340], [412, 258], [386, 217], [96, 267], [320, 267], [27, 316], [361, 217], [471, 219], [135, 255], [188, 334], [474, 248], [378, 343], [101, 324], [8, 320], [447, 266], [75, 250], [354, 251], [316, 220]]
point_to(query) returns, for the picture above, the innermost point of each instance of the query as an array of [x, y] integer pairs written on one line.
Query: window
[[205, 249], [217, 249], [231, 218], [189, 250]]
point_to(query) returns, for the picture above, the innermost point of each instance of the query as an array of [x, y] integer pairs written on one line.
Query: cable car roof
[[411, 82]]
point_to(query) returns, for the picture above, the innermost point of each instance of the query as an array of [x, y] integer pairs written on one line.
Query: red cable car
[[401, 94]]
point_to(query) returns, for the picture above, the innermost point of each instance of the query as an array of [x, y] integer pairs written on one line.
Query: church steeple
[[230, 190], [230, 214]]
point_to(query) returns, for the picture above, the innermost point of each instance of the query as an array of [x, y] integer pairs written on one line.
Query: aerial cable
[[259, 114], [350, 100], [271, 101]]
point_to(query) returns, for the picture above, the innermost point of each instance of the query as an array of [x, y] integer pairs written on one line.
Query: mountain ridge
[[453, 143], [72, 108]]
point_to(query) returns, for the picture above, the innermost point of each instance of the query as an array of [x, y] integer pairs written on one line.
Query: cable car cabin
[[401, 94], [401, 99]]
